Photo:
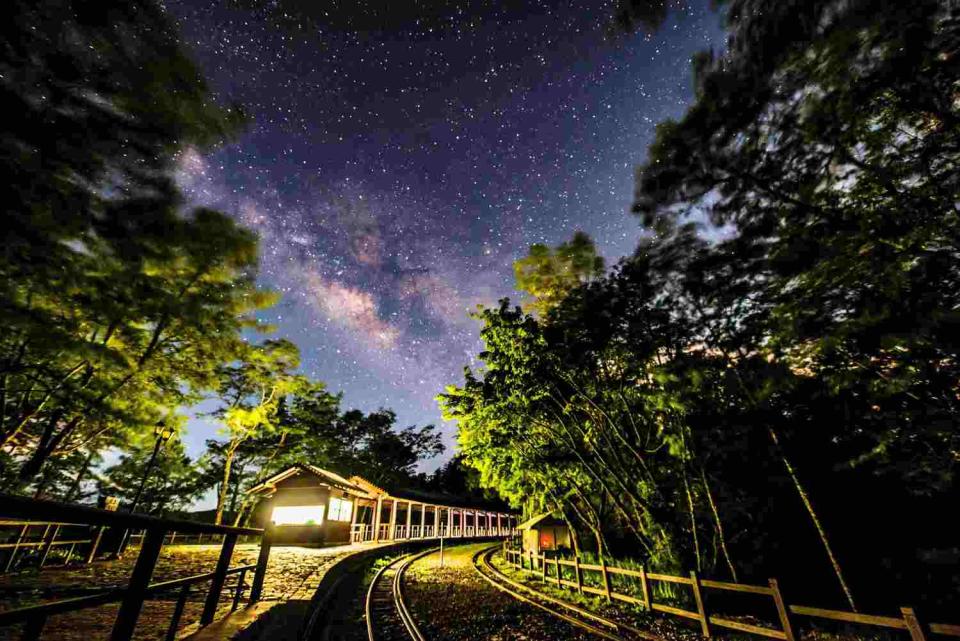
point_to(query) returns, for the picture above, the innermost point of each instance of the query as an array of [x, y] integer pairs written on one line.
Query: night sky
[[397, 162]]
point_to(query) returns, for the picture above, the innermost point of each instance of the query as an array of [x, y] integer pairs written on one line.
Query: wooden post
[[219, 578], [133, 598], [782, 611], [392, 532], [556, 560], [543, 566], [606, 578], [698, 597], [16, 546], [645, 588], [409, 518], [913, 624], [177, 613], [256, 590], [241, 579], [423, 520], [94, 544], [376, 518], [576, 570], [48, 544]]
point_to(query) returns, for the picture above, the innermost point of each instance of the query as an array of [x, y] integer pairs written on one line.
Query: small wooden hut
[[544, 532]]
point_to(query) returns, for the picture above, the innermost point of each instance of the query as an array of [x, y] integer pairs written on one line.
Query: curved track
[[388, 618], [589, 621]]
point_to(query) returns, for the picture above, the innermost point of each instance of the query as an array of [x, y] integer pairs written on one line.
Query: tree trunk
[[808, 504], [224, 483], [719, 525], [48, 443], [693, 519]]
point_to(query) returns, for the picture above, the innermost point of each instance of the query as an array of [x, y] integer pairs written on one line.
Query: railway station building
[[309, 504]]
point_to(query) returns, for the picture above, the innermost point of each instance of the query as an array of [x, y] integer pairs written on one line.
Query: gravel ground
[[451, 603], [293, 572]]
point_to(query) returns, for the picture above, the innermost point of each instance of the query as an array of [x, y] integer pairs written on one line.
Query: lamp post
[[163, 432]]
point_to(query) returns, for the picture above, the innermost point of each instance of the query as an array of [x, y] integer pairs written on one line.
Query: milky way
[[396, 163]]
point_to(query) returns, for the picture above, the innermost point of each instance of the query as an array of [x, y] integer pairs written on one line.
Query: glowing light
[[340, 509], [298, 514]]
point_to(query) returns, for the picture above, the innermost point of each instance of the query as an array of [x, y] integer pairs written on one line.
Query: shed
[[544, 532]]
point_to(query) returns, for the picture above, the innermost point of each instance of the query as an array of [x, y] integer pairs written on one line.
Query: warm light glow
[[298, 514], [340, 509]]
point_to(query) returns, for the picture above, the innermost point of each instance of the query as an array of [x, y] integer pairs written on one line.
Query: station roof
[[361, 487], [547, 518], [328, 477]]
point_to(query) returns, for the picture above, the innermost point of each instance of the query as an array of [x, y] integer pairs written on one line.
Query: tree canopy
[[773, 372]]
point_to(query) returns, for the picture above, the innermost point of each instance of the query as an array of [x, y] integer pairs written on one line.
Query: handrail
[[112, 595], [29, 508]]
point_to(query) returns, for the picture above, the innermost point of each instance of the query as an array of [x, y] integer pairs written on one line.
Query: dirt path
[[453, 603]]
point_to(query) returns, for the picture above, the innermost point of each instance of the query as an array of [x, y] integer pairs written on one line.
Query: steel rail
[[535, 598], [400, 566]]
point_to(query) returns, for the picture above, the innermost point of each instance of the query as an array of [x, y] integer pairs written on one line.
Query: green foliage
[[175, 481], [774, 372], [115, 304], [308, 426], [547, 275]]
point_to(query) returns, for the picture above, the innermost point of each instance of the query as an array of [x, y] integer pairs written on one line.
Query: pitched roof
[[331, 478], [540, 520], [360, 486]]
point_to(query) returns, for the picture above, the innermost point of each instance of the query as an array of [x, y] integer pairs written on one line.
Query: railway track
[[584, 619], [388, 618]]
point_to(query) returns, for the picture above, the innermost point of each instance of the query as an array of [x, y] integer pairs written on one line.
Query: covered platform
[[310, 504]]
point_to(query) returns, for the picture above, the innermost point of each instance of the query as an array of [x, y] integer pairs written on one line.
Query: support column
[[376, 519], [393, 520], [449, 522], [499, 523], [409, 517], [353, 517], [423, 520]]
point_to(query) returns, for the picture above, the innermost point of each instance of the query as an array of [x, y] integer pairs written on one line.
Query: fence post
[[576, 570], [698, 597], [543, 566], [556, 560], [913, 624], [132, 601], [95, 543], [266, 542], [219, 577], [645, 588], [782, 611], [533, 564], [16, 546], [606, 578], [178, 613], [238, 593], [48, 545]]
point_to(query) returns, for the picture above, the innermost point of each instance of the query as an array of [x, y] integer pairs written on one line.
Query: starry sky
[[397, 161]]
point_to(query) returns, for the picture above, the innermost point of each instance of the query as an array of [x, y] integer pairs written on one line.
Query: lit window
[[340, 509], [298, 514]]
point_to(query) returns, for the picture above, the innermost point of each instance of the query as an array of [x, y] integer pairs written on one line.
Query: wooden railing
[[360, 532], [139, 587], [553, 569]]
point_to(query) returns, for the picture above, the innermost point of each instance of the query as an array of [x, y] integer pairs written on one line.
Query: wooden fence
[[554, 569], [139, 587]]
